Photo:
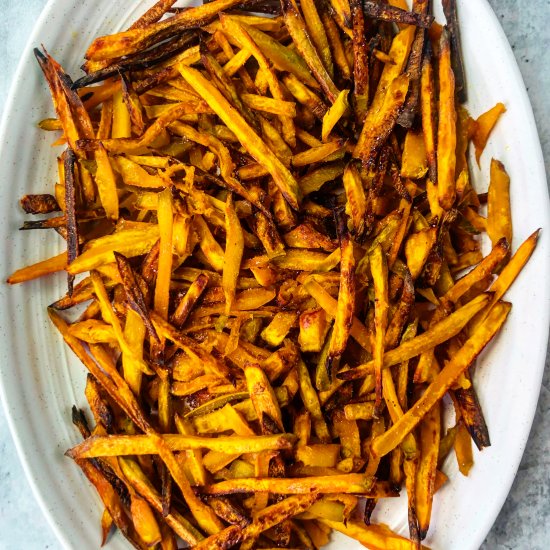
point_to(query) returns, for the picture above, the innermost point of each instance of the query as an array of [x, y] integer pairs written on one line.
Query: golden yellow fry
[[45, 267], [337, 110], [269, 105], [507, 276], [484, 126], [443, 381], [298, 32], [129, 242], [446, 132], [164, 274], [441, 332], [499, 212], [379, 270], [345, 483], [248, 138], [330, 305], [234, 247], [371, 536], [429, 434], [125, 445]]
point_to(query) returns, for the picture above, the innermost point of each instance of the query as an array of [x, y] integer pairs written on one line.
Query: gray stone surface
[[524, 522]]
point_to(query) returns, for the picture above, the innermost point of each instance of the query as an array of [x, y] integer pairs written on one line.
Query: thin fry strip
[[443, 381], [446, 132], [297, 30], [447, 328], [249, 139], [379, 270], [346, 296]]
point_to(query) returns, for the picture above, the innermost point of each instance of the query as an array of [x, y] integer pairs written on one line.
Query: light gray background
[[524, 523]]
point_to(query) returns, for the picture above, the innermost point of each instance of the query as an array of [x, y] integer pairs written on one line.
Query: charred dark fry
[[360, 60], [70, 205], [139, 61], [414, 69], [451, 15], [187, 303], [134, 295], [39, 204], [128, 42], [396, 15], [427, 108], [378, 125], [297, 30]]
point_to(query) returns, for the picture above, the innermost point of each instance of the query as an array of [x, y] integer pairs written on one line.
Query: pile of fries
[[273, 256]]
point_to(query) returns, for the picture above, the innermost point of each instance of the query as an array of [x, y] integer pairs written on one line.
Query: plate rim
[[496, 503]]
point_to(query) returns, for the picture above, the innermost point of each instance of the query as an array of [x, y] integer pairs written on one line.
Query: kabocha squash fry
[[499, 214], [483, 127], [460, 362], [250, 352], [249, 139], [446, 130]]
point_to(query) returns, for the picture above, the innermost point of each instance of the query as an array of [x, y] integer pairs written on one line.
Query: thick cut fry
[[346, 297], [124, 445], [356, 205], [430, 430], [345, 483], [234, 247], [443, 381], [499, 213], [484, 126], [129, 242], [246, 135], [446, 131], [379, 124], [263, 397]]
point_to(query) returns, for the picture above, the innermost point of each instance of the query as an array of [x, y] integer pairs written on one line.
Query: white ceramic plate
[[40, 379]]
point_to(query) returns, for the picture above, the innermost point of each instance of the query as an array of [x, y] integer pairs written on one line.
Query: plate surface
[[40, 380]]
